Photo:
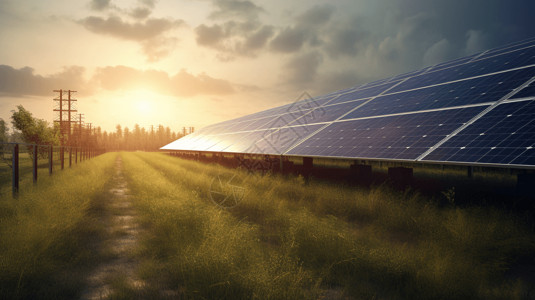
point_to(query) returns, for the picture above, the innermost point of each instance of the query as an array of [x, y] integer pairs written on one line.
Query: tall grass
[[290, 240], [44, 231]]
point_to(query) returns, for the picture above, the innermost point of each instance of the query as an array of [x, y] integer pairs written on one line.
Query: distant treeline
[[27, 129], [137, 138]]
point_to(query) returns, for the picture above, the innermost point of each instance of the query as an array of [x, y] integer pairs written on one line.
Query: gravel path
[[122, 231]]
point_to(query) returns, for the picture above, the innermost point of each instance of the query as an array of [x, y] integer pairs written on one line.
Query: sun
[[142, 102], [143, 106]]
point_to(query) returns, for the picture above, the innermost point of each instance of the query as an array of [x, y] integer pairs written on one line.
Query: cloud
[[140, 13], [316, 16], [247, 38], [137, 31], [476, 41], [100, 5], [301, 70], [150, 33], [23, 81], [182, 84], [347, 38], [438, 52], [234, 38], [231, 9], [259, 38], [289, 40], [209, 36], [148, 3], [308, 29]]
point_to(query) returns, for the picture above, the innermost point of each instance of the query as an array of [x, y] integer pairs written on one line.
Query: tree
[[34, 131], [3, 131]]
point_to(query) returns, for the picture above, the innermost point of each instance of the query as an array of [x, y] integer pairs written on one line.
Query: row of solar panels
[[476, 110]]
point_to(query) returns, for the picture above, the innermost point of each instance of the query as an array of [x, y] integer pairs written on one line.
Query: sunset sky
[[196, 62]]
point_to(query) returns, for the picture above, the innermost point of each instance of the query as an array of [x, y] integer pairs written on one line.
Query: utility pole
[[80, 120], [71, 109], [65, 121]]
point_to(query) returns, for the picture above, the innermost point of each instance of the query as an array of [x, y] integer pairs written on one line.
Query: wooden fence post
[[15, 165], [50, 159], [62, 156], [35, 162]]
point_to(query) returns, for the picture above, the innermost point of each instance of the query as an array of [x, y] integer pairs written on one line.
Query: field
[[284, 239]]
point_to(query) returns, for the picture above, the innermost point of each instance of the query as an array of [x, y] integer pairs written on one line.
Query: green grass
[[45, 232], [290, 240], [285, 240]]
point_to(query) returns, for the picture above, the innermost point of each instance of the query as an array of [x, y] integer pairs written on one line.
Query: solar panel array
[[474, 110]]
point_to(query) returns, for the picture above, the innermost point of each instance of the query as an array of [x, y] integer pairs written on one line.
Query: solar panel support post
[[525, 184], [308, 165], [360, 174], [400, 176], [470, 171]]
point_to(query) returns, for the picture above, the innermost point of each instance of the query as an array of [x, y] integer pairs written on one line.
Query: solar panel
[[391, 137], [474, 110], [505, 135]]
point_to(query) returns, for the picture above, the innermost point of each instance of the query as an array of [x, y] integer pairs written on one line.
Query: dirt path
[[122, 231]]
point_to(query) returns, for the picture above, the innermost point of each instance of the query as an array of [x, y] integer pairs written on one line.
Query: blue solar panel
[[453, 63], [394, 137], [478, 90], [505, 135], [277, 142], [509, 48], [477, 109], [479, 67], [363, 93], [528, 91]]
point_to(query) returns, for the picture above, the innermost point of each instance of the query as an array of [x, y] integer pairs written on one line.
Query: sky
[[197, 62]]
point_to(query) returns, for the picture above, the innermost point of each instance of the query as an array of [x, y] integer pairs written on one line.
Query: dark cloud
[[150, 33], [301, 70], [137, 31], [307, 29], [182, 84], [231, 9], [289, 40], [23, 82], [140, 13], [209, 36], [316, 16], [100, 4], [148, 3], [259, 38], [247, 38], [347, 37], [234, 38]]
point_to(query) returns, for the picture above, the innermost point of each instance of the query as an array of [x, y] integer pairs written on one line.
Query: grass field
[[45, 232], [284, 240], [288, 240]]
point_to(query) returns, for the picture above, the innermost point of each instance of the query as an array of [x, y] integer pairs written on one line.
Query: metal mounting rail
[[477, 117]]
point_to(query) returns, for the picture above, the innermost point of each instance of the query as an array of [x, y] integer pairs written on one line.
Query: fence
[[55, 156]]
